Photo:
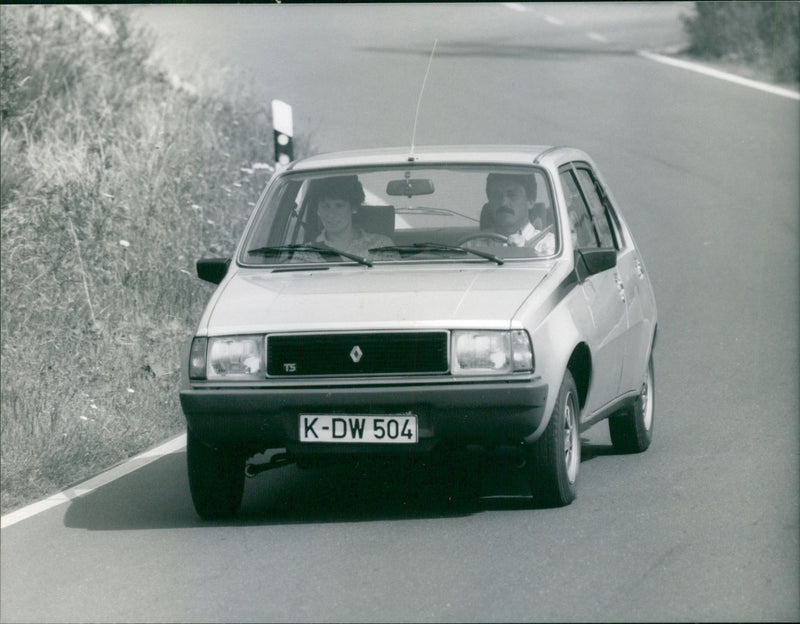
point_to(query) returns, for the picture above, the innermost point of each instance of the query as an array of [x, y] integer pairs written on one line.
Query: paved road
[[703, 526]]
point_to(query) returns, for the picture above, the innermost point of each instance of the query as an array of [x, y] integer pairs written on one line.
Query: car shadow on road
[[157, 495]]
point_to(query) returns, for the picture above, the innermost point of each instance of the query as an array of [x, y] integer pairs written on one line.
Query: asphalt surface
[[703, 526]]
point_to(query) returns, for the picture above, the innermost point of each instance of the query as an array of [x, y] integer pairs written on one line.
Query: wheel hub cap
[[572, 448]]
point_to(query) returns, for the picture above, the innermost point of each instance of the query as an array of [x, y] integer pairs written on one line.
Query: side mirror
[[593, 261], [213, 269]]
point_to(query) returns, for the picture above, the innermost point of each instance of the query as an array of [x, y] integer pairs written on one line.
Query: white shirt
[[361, 243], [522, 238]]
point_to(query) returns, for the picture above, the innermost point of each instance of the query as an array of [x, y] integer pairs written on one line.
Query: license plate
[[378, 428]]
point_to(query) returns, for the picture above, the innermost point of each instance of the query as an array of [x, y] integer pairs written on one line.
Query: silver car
[[393, 302]]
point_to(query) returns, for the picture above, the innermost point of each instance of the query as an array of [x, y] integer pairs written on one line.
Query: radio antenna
[[421, 91]]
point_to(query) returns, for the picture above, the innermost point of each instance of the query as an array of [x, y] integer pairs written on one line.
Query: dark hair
[[340, 187], [528, 182]]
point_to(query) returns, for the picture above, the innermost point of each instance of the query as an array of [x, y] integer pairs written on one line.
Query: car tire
[[216, 479], [553, 461], [632, 430]]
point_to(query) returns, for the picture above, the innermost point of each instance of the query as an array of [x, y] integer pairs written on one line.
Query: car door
[[630, 272], [603, 294]]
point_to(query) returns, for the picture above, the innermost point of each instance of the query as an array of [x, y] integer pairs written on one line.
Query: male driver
[[511, 198]]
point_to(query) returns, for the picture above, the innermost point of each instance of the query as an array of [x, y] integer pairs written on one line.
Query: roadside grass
[[759, 40], [113, 183]]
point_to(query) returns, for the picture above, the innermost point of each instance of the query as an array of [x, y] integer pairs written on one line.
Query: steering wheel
[[485, 235]]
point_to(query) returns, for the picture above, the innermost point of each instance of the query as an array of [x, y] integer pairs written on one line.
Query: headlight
[[227, 357], [491, 352]]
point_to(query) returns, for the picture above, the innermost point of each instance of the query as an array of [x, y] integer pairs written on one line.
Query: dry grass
[[113, 184]]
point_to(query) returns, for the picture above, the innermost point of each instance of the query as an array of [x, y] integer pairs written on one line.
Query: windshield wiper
[[321, 249], [420, 247]]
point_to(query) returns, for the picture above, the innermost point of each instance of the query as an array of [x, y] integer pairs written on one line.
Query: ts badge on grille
[[355, 354]]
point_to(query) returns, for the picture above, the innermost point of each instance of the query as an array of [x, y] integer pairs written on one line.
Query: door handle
[[620, 286]]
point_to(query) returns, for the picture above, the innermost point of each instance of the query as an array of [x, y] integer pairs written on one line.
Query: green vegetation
[[762, 35], [113, 183]]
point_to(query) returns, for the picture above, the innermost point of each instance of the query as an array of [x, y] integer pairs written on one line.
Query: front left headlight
[[491, 352], [235, 358]]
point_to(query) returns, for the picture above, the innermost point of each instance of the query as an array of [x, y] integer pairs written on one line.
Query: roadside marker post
[[283, 132]]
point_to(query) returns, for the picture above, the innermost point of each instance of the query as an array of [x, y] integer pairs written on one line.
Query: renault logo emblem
[[356, 353]]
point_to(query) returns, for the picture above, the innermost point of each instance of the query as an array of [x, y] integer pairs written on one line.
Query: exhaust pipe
[[278, 460]]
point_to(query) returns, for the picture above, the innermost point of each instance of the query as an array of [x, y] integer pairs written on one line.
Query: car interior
[[449, 216]]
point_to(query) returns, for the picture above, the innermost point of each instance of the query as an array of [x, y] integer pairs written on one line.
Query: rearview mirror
[[409, 187]]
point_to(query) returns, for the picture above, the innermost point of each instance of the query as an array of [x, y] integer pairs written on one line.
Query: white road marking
[[139, 461], [552, 19], [715, 73], [514, 6], [596, 37], [105, 27]]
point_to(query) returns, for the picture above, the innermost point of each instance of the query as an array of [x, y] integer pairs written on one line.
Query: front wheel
[[554, 459], [216, 478], [632, 430]]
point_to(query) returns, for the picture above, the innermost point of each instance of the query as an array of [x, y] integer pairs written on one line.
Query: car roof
[[423, 155]]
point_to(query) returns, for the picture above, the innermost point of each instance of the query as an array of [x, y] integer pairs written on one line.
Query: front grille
[[382, 353]]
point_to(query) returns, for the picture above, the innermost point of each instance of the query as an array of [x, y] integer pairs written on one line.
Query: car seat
[[375, 219]]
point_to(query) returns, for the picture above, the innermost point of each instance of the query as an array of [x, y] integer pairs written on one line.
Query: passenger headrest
[[375, 219]]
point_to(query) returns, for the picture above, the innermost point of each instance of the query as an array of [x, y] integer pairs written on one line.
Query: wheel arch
[[580, 366]]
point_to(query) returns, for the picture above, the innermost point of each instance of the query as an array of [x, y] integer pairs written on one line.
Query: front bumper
[[257, 419]]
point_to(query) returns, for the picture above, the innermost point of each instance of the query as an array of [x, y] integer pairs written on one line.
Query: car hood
[[254, 301]]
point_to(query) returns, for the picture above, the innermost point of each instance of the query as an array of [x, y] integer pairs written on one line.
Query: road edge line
[[715, 73], [82, 489]]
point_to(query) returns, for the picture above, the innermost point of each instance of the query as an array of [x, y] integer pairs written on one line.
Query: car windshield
[[374, 215]]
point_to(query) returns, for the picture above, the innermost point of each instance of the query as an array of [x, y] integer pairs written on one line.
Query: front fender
[[554, 342]]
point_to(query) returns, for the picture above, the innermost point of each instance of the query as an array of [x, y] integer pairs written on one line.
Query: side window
[[280, 217], [597, 209], [580, 218]]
